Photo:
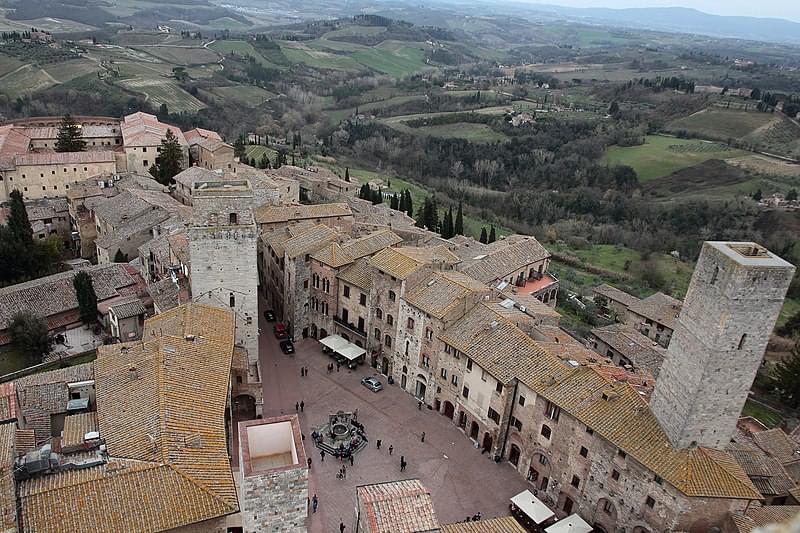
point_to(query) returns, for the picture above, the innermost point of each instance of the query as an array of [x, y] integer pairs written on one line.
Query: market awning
[[532, 506], [351, 351], [334, 342], [571, 524]]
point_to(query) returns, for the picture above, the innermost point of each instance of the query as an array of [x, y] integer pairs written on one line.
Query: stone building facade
[[730, 309], [222, 250]]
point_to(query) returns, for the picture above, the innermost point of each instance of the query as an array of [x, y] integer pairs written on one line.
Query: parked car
[[287, 346], [280, 330], [269, 315], [372, 384]]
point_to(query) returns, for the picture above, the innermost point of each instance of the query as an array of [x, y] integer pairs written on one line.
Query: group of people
[[330, 367]]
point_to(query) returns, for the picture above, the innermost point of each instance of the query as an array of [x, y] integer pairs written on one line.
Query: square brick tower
[[730, 309], [222, 250]]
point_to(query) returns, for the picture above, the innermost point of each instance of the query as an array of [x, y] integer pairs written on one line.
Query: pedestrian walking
[[423, 433], [303, 404], [301, 372], [309, 463], [419, 405], [322, 455], [314, 503], [337, 366], [296, 406], [344, 471], [378, 443], [391, 449], [341, 527], [351, 459], [402, 463]]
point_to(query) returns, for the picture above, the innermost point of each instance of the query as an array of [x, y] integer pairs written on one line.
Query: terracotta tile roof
[[12, 142], [778, 445], [276, 239], [123, 232], [616, 295], [8, 401], [759, 517], [765, 472], [212, 145], [25, 441], [358, 274], [65, 158], [165, 434], [55, 294], [397, 507], [309, 241], [143, 129], [659, 308], [8, 500], [404, 261], [440, 292], [128, 307], [506, 256], [371, 243], [196, 135], [192, 175], [644, 354], [268, 214], [503, 524], [76, 427], [333, 256], [166, 294], [179, 245]]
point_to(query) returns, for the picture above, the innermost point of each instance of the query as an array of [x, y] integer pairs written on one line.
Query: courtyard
[[462, 481]]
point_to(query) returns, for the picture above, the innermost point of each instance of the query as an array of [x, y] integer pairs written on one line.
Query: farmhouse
[[142, 134]]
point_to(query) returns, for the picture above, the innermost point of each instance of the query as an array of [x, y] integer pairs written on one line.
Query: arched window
[[742, 341], [392, 296], [389, 319], [546, 431], [233, 218], [387, 340], [405, 369], [379, 313]]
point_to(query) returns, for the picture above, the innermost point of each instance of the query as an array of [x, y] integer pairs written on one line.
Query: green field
[[767, 416], [722, 124], [179, 55], [26, 80], [660, 156], [356, 31], [246, 95], [69, 70], [164, 91], [8, 64], [479, 133], [255, 151], [301, 53]]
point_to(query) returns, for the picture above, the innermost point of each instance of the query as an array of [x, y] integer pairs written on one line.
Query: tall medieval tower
[[223, 238], [733, 301]]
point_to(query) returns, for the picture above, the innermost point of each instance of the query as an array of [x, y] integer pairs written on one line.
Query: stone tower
[[733, 300], [222, 250]]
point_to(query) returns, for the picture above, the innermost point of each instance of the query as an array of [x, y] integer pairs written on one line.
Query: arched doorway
[[313, 331], [449, 410], [323, 333], [473, 430], [385, 366], [244, 407], [487, 442], [403, 381], [359, 344], [420, 388], [606, 515], [513, 455], [462, 420]]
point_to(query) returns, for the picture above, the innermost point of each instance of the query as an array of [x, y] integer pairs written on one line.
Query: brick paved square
[[461, 480]]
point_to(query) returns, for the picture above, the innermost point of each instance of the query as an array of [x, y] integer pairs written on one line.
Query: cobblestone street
[[461, 480]]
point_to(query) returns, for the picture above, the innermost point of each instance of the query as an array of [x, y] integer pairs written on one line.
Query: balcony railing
[[349, 325]]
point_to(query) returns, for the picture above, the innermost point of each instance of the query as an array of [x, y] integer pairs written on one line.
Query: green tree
[[169, 160], [447, 224], [239, 149], [613, 109], [401, 203], [18, 222], [791, 196], [87, 298], [394, 202], [70, 136], [492, 235], [758, 195], [347, 174], [483, 237], [409, 204], [264, 163], [786, 378], [29, 335], [458, 228], [791, 328]]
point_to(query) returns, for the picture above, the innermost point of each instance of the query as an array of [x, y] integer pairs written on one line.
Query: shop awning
[[334, 342], [532, 506], [571, 524], [351, 351]]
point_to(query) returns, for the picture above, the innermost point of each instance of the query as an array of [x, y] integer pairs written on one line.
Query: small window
[[658, 479], [392, 296], [517, 423], [469, 364], [546, 431], [346, 291], [742, 341], [377, 334], [145, 162], [362, 299], [650, 502], [499, 388], [233, 218], [521, 400], [379, 314], [305, 284], [443, 373], [589, 430], [144, 149], [232, 300], [389, 319], [543, 460], [622, 454], [552, 411], [493, 415], [608, 507], [387, 341], [615, 475], [410, 323], [584, 451], [429, 334], [576, 481], [454, 380], [465, 392]]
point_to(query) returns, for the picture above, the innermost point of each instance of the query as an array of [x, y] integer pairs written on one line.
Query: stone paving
[[461, 480]]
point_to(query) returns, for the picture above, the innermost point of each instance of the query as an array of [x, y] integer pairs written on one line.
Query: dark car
[[280, 330], [269, 315], [287, 346], [372, 384]]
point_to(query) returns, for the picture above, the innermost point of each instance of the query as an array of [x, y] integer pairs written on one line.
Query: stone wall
[[323, 302], [275, 502], [48, 181]]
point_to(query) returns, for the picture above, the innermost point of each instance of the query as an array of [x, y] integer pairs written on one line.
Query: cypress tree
[[18, 222], [483, 238], [238, 148], [346, 173], [786, 377], [87, 298], [393, 202], [70, 136], [169, 160], [401, 204], [492, 235], [458, 228], [409, 204]]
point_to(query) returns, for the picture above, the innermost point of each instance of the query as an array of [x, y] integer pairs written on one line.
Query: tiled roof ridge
[[131, 466], [204, 488], [709, 454]]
